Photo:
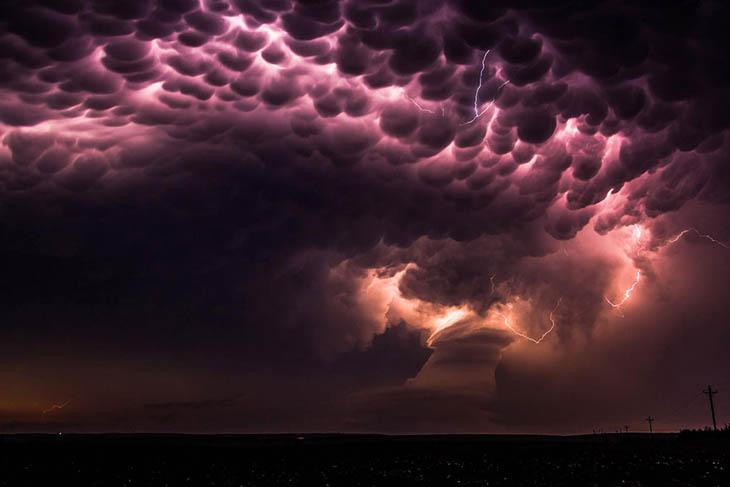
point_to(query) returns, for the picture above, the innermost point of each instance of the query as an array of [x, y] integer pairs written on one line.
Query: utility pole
[[650, 420], [626, 427], [710, 392]]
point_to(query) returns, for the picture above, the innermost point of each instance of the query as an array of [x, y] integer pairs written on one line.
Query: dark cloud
[[306, 189]]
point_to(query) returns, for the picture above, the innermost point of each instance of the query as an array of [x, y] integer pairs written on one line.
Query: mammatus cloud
[[275, 185]]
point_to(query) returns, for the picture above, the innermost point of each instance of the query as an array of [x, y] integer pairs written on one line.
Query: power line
[[710, 392], [650, 420]]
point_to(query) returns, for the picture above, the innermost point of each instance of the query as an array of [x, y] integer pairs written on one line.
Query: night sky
[[363, 215]]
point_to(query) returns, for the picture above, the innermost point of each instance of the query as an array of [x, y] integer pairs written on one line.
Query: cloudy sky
[[363, 215]]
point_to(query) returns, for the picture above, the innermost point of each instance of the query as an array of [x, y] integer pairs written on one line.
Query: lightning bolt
[[703, 235], [56, 406], [637, 236], [627, 293], [412, 100], [419, 106], [636, 233], [476, 93], [527, 337], [491, 279], [478, 113]]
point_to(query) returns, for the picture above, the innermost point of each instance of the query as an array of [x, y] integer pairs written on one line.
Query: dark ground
[[344, 460]]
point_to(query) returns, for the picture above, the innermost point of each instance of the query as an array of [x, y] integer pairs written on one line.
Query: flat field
[[363, 460]]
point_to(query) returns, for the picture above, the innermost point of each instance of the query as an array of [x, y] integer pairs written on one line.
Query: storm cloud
[[361, 215]]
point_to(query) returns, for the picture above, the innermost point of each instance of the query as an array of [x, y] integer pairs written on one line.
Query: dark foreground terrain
[[341, 460]]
